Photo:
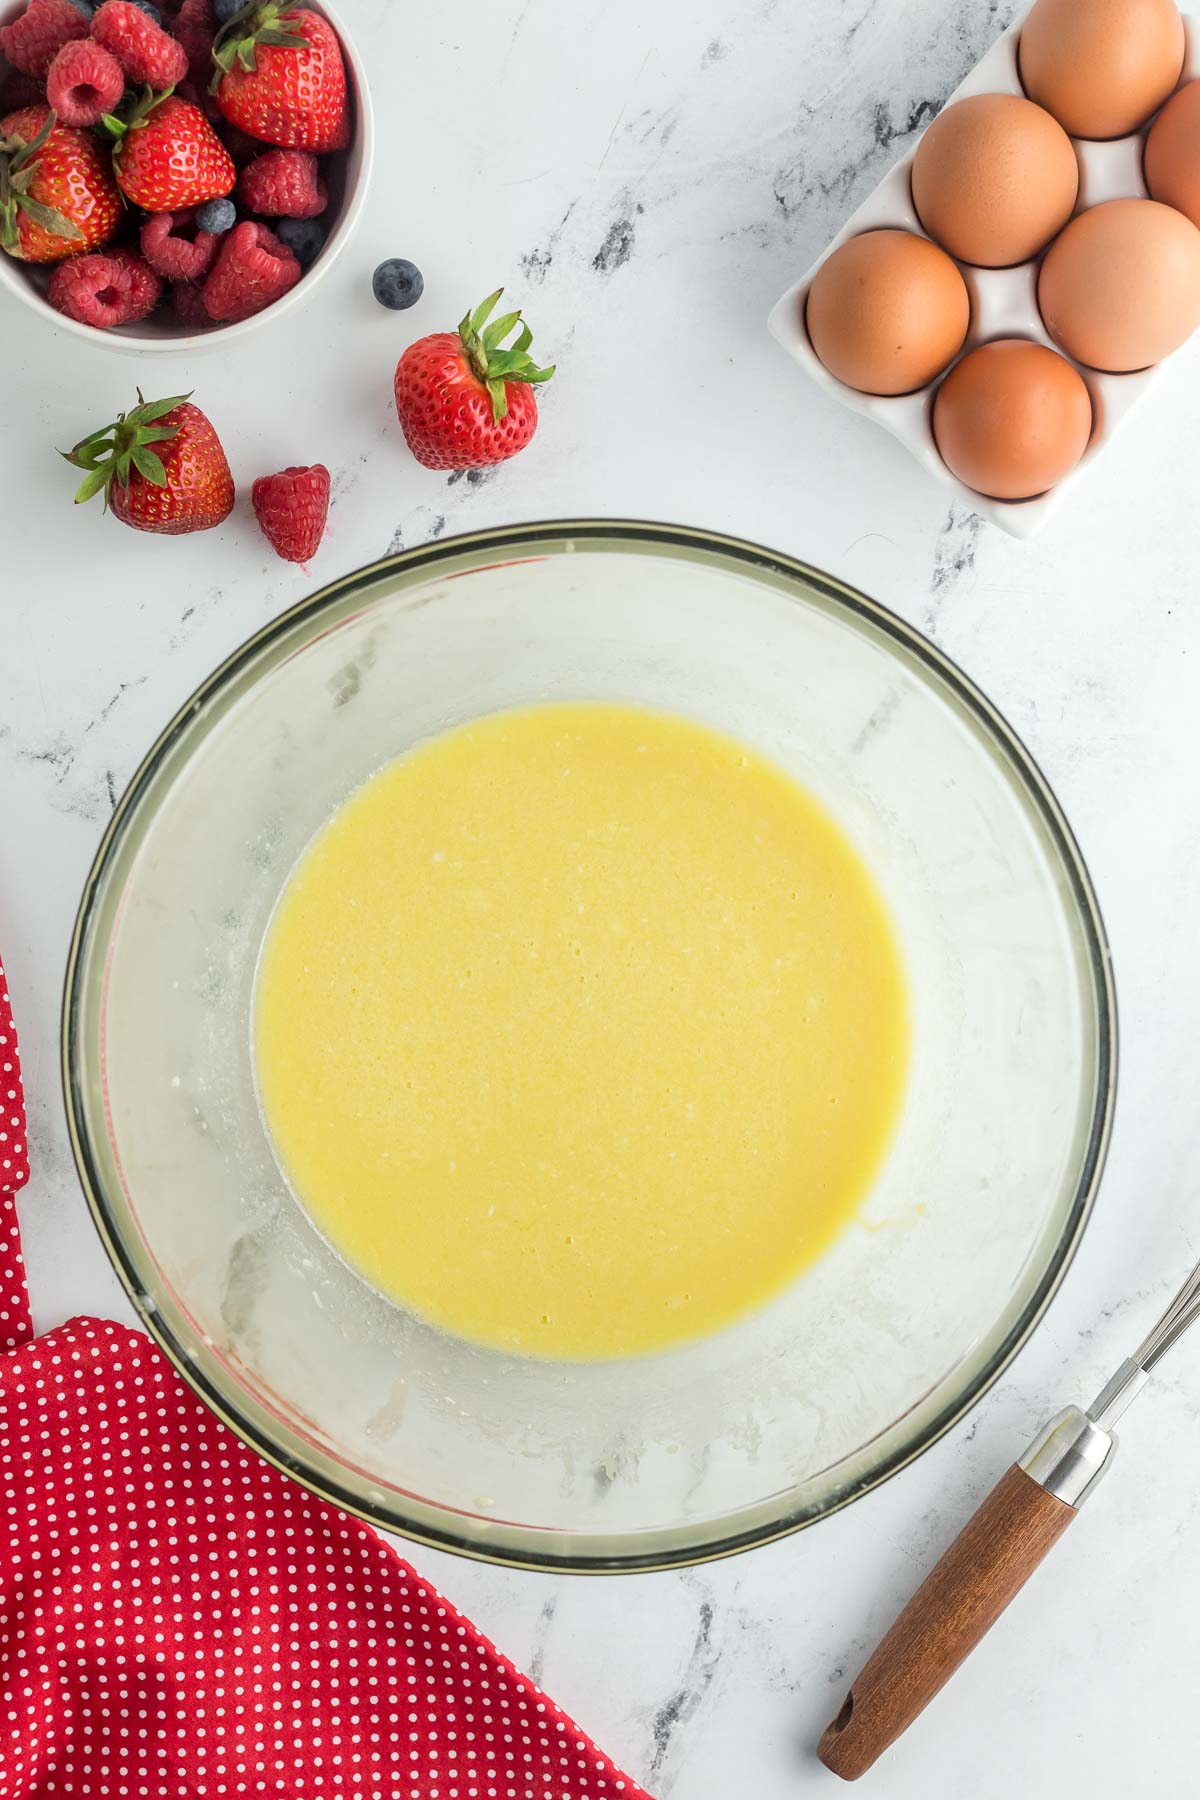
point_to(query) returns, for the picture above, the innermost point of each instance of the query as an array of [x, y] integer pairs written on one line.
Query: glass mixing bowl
[[868, 1357]]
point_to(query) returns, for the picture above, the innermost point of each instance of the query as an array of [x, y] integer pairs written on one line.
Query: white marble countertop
[[647, 177]]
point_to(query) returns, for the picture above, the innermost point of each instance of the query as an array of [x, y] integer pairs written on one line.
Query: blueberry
[[151, 12], [217, 216], [398, 284], [225, 9], [83, 6], [303, 237]]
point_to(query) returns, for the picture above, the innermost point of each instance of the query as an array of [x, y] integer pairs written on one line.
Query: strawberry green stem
[[136, 111], [18, 166], [493, 365], [116, 450], [259, 22]]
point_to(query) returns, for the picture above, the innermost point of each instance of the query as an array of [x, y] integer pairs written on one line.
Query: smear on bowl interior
[[581, 1030]]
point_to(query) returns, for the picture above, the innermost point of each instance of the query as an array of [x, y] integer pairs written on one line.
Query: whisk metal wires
[[1134, 1373]]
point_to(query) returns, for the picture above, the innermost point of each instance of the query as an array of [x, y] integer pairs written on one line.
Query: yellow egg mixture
[[581, 1030]]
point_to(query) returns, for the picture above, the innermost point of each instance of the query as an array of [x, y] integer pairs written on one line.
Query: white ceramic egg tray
[[1003, 301]]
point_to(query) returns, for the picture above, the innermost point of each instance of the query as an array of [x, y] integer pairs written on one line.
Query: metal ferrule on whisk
[[1070, 1455]]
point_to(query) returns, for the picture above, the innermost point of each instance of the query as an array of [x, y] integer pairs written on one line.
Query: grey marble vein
[[681, 1706]]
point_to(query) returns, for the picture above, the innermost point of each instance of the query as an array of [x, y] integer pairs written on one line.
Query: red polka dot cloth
[[15, 1323], [177, 1619]]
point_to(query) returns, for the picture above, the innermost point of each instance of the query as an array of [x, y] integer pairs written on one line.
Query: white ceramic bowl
[[162, 333]]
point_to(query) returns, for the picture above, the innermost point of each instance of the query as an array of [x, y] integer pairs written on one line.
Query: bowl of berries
[[171, 172]]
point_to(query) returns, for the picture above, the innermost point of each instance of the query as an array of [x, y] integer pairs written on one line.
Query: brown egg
[[887, 311], [1101, 66], [1120, 289], [1012, 418], [1173, 153], [993, 179]]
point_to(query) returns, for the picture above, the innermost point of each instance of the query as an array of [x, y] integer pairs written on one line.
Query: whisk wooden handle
[[956, 1605]]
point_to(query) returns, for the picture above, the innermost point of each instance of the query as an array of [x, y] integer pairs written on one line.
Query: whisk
[[993, 1557]]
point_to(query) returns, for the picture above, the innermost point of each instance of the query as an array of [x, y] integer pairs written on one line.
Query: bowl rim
[[731, 551], [135, 343]]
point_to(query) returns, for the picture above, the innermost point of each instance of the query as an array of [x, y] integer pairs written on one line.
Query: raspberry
[[283, 184], [100, 290], [206, 100], [84, 83], [198, 97], [240, 145], [144, 50], [252, 269], [187, 298], [33, 41], [196, 42], [194, 27], [18, 91], [292, 508], [145, 285], [169, 250]]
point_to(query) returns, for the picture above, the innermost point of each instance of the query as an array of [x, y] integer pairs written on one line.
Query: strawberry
[[84, 83], [32, 42], [252, 269], [168, 157], [283, 184], [161, 468], [104, 290], [144, 50], [292, 508], [57, 194], [463, 402], [280, 76]]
